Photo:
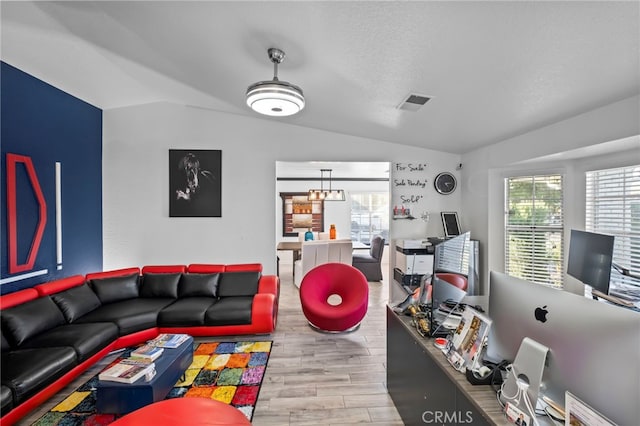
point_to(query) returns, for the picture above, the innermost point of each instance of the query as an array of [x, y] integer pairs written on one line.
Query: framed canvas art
[[195, 185], [299, 214]]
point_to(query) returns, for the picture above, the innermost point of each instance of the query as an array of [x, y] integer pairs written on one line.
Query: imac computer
[[594, 348]]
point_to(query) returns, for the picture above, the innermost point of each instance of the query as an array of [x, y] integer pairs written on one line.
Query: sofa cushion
[[30, 318], [28, 371], [230, 311], [238, 283], [86, 339], [129, 315], [76, 301], [159, 285], [114, 289], [194, 285], [6, 400], [187, 311]]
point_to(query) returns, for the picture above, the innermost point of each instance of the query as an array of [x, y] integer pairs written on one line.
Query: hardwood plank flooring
[[312, 378]]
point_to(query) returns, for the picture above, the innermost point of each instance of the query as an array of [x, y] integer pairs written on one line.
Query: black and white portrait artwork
[[195, 186]]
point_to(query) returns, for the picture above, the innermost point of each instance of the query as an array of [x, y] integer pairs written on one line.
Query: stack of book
[[128, 370], [169, 340], [146, 353]]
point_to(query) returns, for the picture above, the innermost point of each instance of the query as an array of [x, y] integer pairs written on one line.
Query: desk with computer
[[547, 350]]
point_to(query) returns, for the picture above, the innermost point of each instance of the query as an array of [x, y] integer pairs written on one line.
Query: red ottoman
[[331, 279], [185, 411]]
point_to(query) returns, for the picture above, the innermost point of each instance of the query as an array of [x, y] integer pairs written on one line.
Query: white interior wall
[[485, 168], [137, 227]]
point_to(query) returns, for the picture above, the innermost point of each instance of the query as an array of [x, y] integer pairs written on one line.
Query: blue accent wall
[[48, 125]]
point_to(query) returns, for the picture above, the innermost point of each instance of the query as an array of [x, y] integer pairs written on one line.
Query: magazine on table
[[169, 340], [147, 353], [467, 341], [126, 372]]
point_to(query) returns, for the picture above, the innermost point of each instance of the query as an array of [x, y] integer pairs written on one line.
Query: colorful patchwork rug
[[230, 372]]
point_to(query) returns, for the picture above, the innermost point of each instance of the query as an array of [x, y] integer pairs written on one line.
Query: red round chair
[[185, 411], [334, 279]]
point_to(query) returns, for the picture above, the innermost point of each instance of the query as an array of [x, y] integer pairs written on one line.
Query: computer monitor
[[590, 257], [594, 347]]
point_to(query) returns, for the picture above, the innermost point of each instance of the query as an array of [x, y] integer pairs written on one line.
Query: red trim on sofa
[[18, 297], [164, 269], [269, 284], [114, 273], [240, 267], [203, 268], [36, 400], [53, 287], [264, 312]]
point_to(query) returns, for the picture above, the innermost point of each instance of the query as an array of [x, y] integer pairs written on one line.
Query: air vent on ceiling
[[414, 102]]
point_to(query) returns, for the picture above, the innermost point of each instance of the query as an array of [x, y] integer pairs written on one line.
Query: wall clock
[[445, 183]]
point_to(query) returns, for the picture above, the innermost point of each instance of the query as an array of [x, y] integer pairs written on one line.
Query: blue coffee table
[[122, 398]]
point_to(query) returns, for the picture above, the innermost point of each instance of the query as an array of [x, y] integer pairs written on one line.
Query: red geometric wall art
[[12, 219]]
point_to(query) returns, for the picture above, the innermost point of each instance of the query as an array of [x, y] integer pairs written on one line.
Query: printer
[[414, 257]]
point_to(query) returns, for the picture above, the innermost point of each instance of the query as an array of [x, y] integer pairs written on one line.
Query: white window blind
[[613, 208], [534, 228]]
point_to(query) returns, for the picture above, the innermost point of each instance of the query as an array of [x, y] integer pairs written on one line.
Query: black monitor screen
[[590, 257], [450, 223]]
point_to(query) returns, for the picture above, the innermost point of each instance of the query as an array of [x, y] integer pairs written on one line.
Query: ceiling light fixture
[[274, 97], [323, 194]]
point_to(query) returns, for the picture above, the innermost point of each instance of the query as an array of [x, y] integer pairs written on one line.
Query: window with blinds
[[613, 208], [369, 216], [534, 228]]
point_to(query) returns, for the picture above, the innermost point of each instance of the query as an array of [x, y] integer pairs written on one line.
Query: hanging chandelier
[[324, 194], [275, 97]]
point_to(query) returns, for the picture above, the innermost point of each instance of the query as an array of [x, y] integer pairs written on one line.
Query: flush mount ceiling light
[[323, 194], [275, 97]]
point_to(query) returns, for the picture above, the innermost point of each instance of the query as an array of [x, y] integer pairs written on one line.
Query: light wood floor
[[313, 378]]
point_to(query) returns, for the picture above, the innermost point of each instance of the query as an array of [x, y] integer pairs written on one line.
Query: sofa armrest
[[263, 313], [269, 284]]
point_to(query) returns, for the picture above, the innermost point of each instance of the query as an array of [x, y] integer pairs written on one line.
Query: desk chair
[[457, 280], [370, 263]]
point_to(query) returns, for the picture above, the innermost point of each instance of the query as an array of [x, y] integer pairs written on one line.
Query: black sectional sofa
[[54, 331]]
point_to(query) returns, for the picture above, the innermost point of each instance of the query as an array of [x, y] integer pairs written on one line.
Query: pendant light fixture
[[323, 194], [274, 97]]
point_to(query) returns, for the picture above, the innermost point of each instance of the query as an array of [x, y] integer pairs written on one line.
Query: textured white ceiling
[[494, 69]]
